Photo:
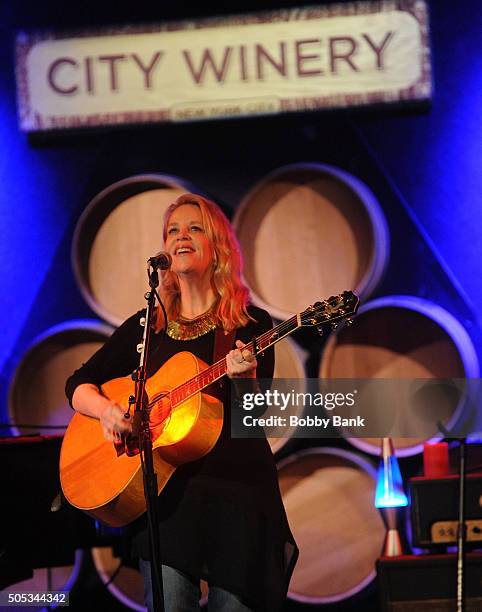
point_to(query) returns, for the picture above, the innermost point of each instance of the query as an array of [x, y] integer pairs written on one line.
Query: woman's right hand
[[88, 400], [113, 422]]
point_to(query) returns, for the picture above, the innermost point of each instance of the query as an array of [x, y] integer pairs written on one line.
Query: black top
[[221, 517]]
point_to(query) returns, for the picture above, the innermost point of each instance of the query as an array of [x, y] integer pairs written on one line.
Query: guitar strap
[[223, 343]]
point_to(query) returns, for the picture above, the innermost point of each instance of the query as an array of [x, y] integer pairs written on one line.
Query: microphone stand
[[461, 532], [461, 527], [140, 425]]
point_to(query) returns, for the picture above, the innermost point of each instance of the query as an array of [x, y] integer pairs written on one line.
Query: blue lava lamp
[[389, 497]]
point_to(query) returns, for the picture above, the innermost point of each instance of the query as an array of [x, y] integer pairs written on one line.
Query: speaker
[[31, 535], [428, 583], [434, 510]]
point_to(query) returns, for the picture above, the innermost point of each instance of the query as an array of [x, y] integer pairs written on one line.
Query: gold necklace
[[189, 329]]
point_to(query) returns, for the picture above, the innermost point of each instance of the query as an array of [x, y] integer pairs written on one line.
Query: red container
[[435, 459]]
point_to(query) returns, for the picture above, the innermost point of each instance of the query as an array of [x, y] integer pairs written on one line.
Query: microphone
[[161, 261]]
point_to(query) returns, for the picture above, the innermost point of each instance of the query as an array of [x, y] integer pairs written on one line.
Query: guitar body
[[110, 487]]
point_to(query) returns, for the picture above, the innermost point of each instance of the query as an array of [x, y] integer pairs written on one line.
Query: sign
[[288, 60]]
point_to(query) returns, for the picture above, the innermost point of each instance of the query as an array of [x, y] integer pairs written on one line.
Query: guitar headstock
[[331, 312]]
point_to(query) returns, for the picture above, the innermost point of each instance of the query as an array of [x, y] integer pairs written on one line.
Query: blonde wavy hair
[[232, 295]]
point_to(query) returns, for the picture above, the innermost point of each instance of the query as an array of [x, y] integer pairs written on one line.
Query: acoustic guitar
[[187, 422]]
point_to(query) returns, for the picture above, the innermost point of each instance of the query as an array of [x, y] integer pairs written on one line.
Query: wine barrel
[[125, 583], [36, 399], [47, 579], [406, 337], [309, 231], [115, 235], [329, 494], [289, 364]]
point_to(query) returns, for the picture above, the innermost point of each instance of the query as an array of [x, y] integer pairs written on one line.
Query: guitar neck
[[331, 311], [218, 369]]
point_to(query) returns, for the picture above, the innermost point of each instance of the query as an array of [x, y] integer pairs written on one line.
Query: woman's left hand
[[240, 362]]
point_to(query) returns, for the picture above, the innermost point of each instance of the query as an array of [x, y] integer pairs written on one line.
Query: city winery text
[[305, 58]]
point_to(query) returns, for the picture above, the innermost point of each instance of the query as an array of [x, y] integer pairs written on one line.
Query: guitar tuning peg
[[349, 321], [319, 329], [139, 347], [142, 321], [334, 326]]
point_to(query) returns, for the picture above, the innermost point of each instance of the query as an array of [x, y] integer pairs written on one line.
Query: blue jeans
[[182, 593]]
